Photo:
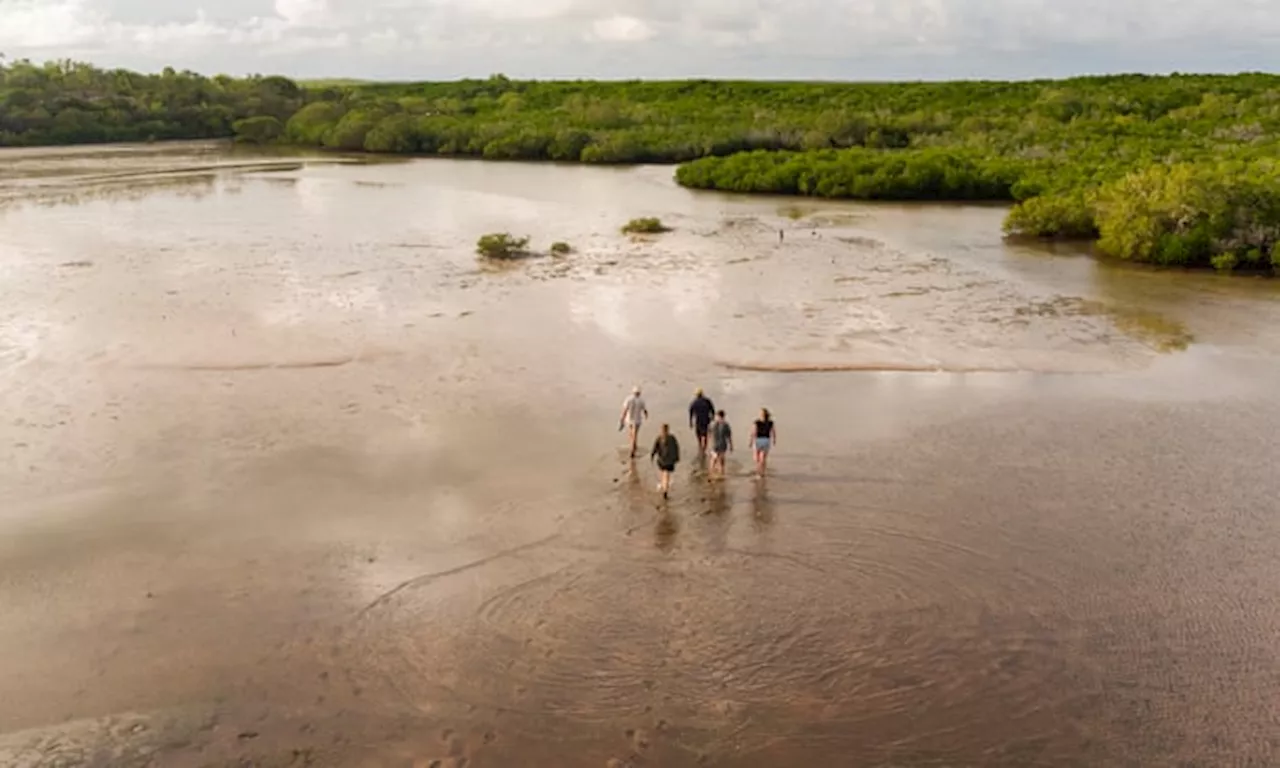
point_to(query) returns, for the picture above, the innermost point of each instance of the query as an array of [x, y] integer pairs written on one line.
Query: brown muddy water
[[291, 479]]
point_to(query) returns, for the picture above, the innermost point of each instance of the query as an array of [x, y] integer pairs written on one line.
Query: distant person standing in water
[[633, 415], [721, 443], [701, 411], [763, 437], [666, 450], [780, 236]]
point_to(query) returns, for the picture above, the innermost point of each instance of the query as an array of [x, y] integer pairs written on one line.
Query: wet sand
[[292, 479]]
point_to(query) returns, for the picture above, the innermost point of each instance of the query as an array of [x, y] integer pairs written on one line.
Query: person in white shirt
[[633, 415]]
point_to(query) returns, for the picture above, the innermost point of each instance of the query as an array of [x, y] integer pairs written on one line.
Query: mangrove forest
[[1179, 170]]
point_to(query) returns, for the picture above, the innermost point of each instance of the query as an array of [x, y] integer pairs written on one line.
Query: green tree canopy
[[67, 102]]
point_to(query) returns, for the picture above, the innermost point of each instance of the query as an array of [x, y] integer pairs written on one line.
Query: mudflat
[[290, 477]]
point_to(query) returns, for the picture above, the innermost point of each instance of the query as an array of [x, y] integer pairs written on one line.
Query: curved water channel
[[292, 478]]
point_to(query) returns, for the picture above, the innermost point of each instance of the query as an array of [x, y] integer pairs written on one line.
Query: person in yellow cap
[[701, 412]]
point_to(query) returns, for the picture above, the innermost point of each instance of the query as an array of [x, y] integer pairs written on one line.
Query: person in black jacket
[[701, 412], [666, 451]]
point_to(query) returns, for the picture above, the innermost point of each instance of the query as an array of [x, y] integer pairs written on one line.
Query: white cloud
[[77, 28], [35, 25], [198, 30], [302, 13], [621, 29], [293, 45], [745, 38], [383, 40], [517, 10]]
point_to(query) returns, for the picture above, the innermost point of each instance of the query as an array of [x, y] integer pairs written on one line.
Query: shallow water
[[291, 477]]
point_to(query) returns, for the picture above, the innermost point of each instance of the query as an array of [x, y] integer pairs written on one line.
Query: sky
[[612, 39]]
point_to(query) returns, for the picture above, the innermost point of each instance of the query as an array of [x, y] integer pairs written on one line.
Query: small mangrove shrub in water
[[1067, 215], [561, 248], [645, 226], [502, 245], [1224, 262]]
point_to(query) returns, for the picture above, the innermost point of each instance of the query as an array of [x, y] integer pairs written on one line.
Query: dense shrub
[[1069, 215], [645, 226], [309, 125], [502, 245], [926, 174], [1219, 214], [1225, 262], [257, 130], [395, 134], [354, 128], [66, 102]]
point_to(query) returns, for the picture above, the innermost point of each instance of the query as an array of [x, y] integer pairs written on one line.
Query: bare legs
[[664, 482], [633, 431], [762, 460]]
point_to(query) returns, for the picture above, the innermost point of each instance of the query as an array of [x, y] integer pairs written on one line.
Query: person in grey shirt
[[721, 443]]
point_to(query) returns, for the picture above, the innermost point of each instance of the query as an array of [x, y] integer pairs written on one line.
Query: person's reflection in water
[[716, 517], [761, 505], [629, 481], [698, 467], [635, 500], [664, 533], [718, 501]]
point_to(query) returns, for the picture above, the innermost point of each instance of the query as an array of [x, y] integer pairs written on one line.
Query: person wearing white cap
[[633, 415]]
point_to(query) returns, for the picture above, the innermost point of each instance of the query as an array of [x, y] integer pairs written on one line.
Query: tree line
[[67, 102], [1178, 170]]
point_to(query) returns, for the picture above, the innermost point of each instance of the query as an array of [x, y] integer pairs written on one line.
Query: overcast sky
[[818, 39]]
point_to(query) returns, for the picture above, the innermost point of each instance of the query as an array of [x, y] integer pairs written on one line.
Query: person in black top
[[763, 437], [666, 452], [701, 412]]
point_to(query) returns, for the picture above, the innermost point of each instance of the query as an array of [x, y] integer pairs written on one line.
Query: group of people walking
[[709, 426]]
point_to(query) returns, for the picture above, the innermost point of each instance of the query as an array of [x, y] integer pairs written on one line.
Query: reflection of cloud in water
[[315, 196], [693, 294], [286, 310], [304, 300], [668, 292], [734, 385], [466, 211], [365, 299], [21, 340], [907, 383], [602, 306], [450, 516]]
